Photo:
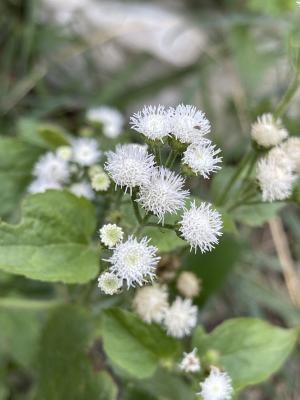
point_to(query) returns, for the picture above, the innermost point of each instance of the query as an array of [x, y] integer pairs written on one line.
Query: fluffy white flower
[[83, 189], [151, 303], [190, 362], [134, 261], [153, 121], [85, 151], [64, 152], [111, 119], [189, 125], [180, 318], [201, 226], [163, 193], [109, 283], [40, 186], [217, 386], [100, 182], [94, 170], [281, 158], [111, 234], [292, 149], [202, 158], [129, 165], [275, 180], [267, 131], [188, 284], [51, 168]]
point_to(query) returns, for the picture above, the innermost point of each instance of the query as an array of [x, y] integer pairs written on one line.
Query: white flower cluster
[[66, 169], [109, 118], [277, 172], [217, 386], [190, 362], [151, 304], [268, 131], [188, 284], [133, 261], [160, 191]]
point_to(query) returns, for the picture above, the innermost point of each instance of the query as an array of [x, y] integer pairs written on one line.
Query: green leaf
[[213, 267], [133, 345], [165, 240], [250, 349], [16, 162], [257, 214], [52, 241], [53, 135], [65, 369]]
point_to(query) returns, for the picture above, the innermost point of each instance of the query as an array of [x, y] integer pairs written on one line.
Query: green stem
[[221, 199], [289, 94], [159, 225], [136, 209]]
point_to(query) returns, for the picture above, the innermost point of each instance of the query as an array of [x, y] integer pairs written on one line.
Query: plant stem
[[159, 225], [289, 94], [136, 209]]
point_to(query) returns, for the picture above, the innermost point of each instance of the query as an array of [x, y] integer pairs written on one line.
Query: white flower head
[[64, 152], [201, 226], [189, 125], [111, 119], [151, 303], [268, 131], [109, 283], [153, 121], [100, 182], [202, 158], [51, 168], [86, 151], [217, 386], [95, 169], [292, 149], [188, 284], [180, 318], [130, 165], [281, 158], [163, 193], [40, 186], [134, 261], [190, 362], [111, 234], [275, 180], [82, 189]]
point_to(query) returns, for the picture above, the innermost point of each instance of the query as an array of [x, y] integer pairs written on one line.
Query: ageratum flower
[[180, 318], [111, 120], [217, 386], [151, 303], [82, 189], [85, 151], [202, 158], [268, 131], [109, 283], [111, 234], [190, 362], [52, 169], [201, 226], [163, 193], [134, 261], [189, 125], [130, 165], [153, 121]]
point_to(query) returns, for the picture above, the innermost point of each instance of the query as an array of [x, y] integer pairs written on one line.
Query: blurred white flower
[[163, 193], [180, 318], [40, 186], [109, 283], [281, 158], [217, 386], [85, 151], [111, 119], [129, 165], [51, 168], [201, 226], [100, 182], [134, 261], [94, 170], [190, 362], [202, 158], [151, 303], [292, 149], [64, 152], [275, 180], [189, 125], [111, 234], [268, 131], [153, 121], [188, 284], [82, 189]]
